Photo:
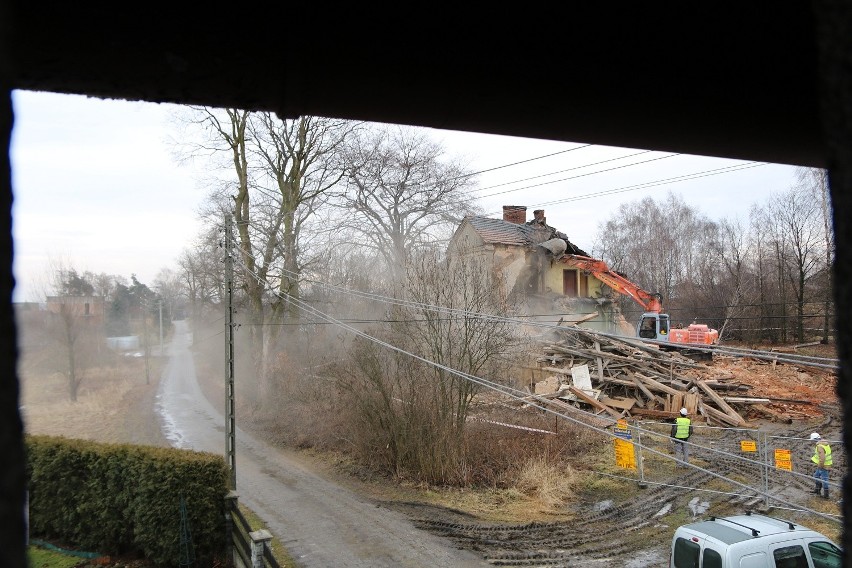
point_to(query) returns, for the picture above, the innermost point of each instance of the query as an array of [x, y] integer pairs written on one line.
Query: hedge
[[126, 499]]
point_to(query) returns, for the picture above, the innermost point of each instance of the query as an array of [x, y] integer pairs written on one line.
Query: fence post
[[638, 453], [259, 539], [230, 506], [765, 470]]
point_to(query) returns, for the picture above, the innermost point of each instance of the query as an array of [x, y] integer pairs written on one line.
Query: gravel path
[[321, 523]]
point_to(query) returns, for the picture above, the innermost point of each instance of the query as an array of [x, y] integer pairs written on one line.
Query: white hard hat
[[815, 436], [683, 411]]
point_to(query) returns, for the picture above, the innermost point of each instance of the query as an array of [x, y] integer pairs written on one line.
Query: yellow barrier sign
[[748, 446], [783, 460], [622, 430], [625, 457]]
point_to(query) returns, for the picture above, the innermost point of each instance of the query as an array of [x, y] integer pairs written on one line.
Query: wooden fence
[[249, 549]]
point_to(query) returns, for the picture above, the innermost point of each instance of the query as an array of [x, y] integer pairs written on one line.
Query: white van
[[752, 541]]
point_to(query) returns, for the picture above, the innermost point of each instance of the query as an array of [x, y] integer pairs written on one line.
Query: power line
[[518, 163], [580, 176], [563, 171], [646, 185]]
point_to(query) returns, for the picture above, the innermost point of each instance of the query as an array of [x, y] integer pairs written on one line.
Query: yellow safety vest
[[682, 431], [827, 449]]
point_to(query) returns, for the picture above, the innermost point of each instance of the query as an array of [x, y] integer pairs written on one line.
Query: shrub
[[125, 499]]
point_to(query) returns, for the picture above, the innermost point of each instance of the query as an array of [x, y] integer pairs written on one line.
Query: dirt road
[[320, 523]]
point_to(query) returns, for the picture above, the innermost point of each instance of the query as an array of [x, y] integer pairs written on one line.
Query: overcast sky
[[95, 185]]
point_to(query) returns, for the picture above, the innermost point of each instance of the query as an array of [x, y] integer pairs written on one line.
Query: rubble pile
[[621, 377]]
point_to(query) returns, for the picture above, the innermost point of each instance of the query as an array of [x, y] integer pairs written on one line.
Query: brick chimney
[[538, 216], [515, 214]]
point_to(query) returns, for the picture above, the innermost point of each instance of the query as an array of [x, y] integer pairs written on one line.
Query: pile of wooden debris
[[621, 377]]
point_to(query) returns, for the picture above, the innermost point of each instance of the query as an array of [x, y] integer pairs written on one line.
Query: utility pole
[[146, 342], [161, 327], [230, 423]]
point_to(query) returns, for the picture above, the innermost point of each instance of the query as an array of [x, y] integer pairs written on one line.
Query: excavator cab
[[653, 326]]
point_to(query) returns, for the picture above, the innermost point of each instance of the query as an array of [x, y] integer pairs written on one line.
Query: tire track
[[604, 536]]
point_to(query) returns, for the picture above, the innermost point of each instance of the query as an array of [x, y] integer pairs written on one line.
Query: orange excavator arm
[[650, 302]]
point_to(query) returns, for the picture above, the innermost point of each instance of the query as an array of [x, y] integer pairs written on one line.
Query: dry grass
[[550, 484], [114, 404]]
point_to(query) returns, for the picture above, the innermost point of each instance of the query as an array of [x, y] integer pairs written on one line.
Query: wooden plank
[[716, 385], [657, 385], [722, 404], [746, 400], [586, 317], [589, 400], [644, 389], [690, 402], [649, 413], [599, 361], [708, 410], [581, 416], [606, 380], [677, 402], [618, 402]]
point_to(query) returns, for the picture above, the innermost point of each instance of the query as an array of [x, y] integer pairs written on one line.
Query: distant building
[[89, 308]]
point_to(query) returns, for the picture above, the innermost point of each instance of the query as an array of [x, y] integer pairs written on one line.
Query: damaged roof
[[500, 231]]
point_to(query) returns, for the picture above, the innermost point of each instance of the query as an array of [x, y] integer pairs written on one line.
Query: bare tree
[[771, 289], [279, 172], [72, 322], [200, 269], [169, 289], [301, 161], [814, 181], [668, 248], [402, 192], [795, 218], [411, 413], [734, 260]]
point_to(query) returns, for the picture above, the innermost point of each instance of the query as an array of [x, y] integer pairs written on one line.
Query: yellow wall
[[553, 280]]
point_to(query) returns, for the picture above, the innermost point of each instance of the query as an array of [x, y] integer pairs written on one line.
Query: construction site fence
[[744, 462]]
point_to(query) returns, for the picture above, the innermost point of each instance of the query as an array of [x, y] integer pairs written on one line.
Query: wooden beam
[[746, 400], [649, 413], [657, 385], [581, 416], [619, 402], [644, 389], [598, 360], [708, 410], [589, 400], [719, 401]]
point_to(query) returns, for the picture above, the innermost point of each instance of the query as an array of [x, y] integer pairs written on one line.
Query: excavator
[[652, 324]]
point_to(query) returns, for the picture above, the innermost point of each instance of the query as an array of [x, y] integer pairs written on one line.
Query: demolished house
[[525, 258], [576, 368]]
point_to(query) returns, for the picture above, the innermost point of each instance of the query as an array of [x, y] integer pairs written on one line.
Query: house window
[[569, 283], [86, 308]]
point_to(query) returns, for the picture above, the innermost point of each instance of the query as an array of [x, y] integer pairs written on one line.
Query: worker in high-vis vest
[[822, 459], [681, 431]]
